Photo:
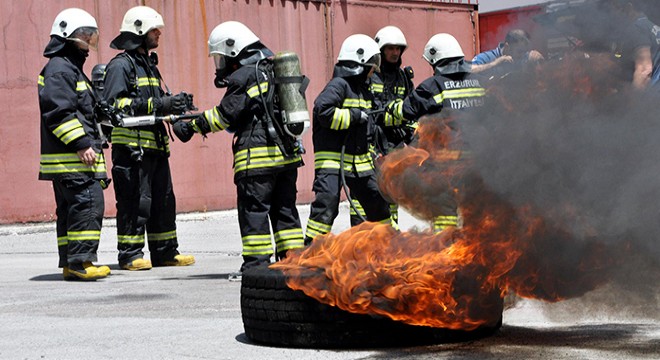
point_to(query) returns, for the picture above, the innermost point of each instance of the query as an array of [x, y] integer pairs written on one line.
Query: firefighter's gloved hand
[[394, 113], [173, 104], [364, 118], [183, 130]]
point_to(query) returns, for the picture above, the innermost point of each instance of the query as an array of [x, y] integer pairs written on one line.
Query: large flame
[[455, 279]]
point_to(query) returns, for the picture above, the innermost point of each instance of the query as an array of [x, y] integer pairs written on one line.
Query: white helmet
[[391, 35], [230, 38], [361, 49], [442, 46], [70, 20], [140, 20]]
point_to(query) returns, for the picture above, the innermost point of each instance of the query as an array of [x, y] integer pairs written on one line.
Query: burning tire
[[274, 314]]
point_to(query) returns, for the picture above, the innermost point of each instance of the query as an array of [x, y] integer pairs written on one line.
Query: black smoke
[[574, 141]]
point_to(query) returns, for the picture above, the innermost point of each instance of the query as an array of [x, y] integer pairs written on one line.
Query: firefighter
[[266, 160], [340, 137], [71, 146], [140, 165], [391, 83], [451, 87]]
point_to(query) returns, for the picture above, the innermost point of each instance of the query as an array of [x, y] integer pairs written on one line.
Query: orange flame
[[455, 279]]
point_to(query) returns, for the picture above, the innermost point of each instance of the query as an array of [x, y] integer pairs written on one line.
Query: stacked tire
[[273, 314]]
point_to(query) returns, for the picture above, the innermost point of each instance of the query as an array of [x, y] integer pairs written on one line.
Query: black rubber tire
[[273, 314]]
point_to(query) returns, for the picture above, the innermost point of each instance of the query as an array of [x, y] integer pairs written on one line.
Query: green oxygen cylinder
[[291, 86]]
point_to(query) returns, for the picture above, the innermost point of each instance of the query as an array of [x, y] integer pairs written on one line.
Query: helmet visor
[[86, 40], [220, 62], [375, 62]]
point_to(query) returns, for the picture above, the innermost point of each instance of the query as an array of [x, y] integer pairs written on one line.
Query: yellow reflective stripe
[[332, 160], [85, 235], [288, 234], [124, 136], [82, 86], [377, 88], [289, 239], [258, 239], [123, 102], [358, 206], [459, 93], [147, 81], [258, 89], [341, 119], [257, 244], [400, 90], [40, 80], [150, 105], [315, 228], [215, 120], [169, 235], [130, 239], [69, 131], [69, 163], [356, 103], [394, 115], [62, 240], [289, 244], [261, 157]]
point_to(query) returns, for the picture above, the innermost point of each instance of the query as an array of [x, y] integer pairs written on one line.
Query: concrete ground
[[194, 312]]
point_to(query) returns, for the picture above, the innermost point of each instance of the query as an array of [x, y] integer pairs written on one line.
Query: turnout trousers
[[262, 198], [145, 203], [79, 213], [325, 207]]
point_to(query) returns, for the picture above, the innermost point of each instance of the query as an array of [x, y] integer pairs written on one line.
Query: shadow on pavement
[[513, 342]]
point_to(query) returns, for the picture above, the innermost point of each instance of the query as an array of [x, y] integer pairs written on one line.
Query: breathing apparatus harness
[[278, 127]]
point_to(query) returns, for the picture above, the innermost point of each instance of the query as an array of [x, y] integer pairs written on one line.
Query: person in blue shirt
[[511, 54], [637, 43]]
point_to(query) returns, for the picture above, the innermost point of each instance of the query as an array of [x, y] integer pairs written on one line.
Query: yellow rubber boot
[[179, 260], [85, 271], [103, 268], [137, 264]]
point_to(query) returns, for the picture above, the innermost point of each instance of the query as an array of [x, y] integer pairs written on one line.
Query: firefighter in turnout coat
[[451, 87], [341, 122], [266, 160], [140, 155], [390, 84], [71, 144]]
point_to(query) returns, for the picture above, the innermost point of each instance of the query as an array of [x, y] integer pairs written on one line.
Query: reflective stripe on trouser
[[325, 206], [79, 212], [356, 220], [264, 199], [444, 221], [145, 204]]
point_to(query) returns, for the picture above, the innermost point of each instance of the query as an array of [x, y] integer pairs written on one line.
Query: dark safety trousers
[[325, 207], [79, 213], [357, 217], [264, 197], [145, 203]]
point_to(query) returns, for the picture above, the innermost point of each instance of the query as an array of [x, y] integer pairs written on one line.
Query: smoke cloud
[[573, 141]]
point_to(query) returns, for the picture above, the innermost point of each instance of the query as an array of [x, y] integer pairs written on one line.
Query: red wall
[[493, 26], [201, 168]]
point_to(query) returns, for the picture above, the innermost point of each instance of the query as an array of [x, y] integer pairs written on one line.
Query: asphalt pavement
[[194, 312]]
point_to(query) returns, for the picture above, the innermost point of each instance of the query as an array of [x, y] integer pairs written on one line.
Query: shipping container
[[201, 168]]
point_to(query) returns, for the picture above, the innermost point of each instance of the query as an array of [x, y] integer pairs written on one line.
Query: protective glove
[[183, 130], [173, 104], [363, 119], [394, 113]]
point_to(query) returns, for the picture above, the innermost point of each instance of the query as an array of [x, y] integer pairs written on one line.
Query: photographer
[[141, 170]]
